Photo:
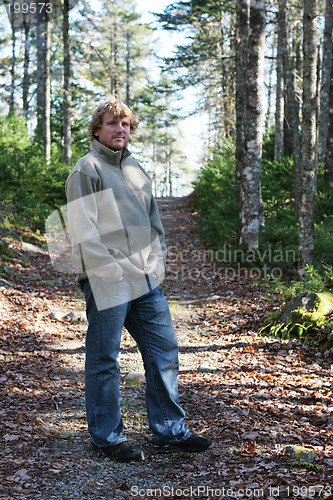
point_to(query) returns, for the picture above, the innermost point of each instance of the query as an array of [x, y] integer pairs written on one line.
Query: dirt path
[[252, 395]]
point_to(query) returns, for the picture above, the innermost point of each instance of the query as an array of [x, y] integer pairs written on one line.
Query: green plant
[[314, 281], [287, 331], [214, 189], [215, 200], [34, 187], [306, 465]]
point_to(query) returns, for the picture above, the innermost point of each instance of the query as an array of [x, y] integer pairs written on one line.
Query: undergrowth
[[214, 192], [275, 262]]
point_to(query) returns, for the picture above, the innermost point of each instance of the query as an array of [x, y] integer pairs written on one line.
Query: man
[[119, 253]]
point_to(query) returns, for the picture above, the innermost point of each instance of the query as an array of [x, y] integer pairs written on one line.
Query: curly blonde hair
[[117, 108]]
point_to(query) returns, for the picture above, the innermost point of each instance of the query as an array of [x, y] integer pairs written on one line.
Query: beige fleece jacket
[[113, 218]]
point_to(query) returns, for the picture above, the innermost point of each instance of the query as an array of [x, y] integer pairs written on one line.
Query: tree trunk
[[325, 81], [47, 90], [269, 92], [279, 105], [248, 234], [292, 106], [309, 171], [128, 68], [114, 58], [13, 66], [242, 8], [40, 79], [328, 173], [154, 176], [227, 129], [318, 99], [26, 77], [67, 91]]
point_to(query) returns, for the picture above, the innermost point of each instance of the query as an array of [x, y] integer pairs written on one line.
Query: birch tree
[[248, 233], [308, 179], [291, 101], [325, 81]]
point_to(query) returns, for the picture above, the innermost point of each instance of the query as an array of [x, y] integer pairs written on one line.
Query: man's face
[[114, 132]]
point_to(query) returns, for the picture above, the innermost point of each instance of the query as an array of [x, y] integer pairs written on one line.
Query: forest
[[235, 104], [259, 76]]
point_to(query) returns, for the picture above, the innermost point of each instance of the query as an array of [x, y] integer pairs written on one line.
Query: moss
[[297, 452], [317, 317]]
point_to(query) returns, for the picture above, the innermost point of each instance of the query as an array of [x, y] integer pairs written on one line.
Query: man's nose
[[119, 127]]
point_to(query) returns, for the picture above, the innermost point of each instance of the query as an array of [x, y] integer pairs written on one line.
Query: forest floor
[[256, 397]]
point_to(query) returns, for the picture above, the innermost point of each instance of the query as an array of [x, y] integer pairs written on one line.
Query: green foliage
[[214, 189], [218, 209], [277, 183], [314, 280], [302, 464], [287, 331], [26, 181]]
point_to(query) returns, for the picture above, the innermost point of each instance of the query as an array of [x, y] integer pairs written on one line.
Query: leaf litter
[[254, 396]]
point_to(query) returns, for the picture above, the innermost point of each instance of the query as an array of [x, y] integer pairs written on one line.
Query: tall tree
[[279, 94], [291, 101], [325, 80], [39, 78], [242, 28], [269, 91], [249, 217], [13, 65], [47, 89], [128, 68], [328, 172], [309, 168], [114, 50], [67, 153], [26, 76], [114, 58], [206, 61]]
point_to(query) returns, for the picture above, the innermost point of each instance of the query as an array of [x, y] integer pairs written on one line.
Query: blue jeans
[[149, 322]]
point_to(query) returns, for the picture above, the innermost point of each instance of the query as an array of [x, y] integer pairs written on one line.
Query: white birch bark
[[309, 170], [248, 233]]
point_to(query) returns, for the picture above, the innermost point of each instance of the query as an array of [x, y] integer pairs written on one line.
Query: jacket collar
[[113, 157]]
